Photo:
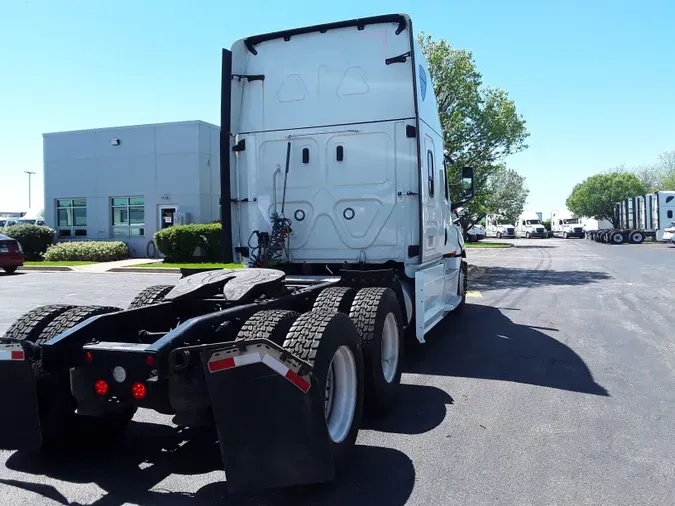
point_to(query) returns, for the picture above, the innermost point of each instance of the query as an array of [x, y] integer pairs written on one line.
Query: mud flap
[[19, 419], [271, 424]]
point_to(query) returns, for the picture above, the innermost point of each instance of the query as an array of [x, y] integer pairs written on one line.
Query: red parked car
[[11, 254]]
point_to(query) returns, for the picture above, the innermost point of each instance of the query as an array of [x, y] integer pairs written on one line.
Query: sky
[[593, 79]]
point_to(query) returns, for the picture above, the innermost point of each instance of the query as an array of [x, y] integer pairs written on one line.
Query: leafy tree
[[656, 177], [666, 165], [596, 196], [506, 195], [480, 124]]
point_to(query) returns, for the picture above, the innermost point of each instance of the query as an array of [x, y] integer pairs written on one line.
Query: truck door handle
[[446, 236]]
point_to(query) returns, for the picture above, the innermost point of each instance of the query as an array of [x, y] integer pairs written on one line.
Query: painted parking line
[[473, 293]]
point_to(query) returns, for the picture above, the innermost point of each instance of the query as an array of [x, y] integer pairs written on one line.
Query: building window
[[71, 217], [430, 168], [670, 214], [128, 216]]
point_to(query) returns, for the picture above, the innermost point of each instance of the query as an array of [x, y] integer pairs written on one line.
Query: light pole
[[29, 175]]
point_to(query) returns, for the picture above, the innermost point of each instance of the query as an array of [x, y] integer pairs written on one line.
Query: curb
[[51, 268], [151, 270]]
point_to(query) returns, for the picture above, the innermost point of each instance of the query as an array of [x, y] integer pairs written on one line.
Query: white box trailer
[[565, 224], [593, 225], [494, 227], [641, 217], [529, 225]]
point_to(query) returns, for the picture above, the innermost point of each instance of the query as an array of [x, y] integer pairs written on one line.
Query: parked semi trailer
[[332, 157], [564, 224], [641, 217]]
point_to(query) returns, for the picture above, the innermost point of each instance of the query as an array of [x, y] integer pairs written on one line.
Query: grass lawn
[[64, 263], [163, 265], [484, 244]]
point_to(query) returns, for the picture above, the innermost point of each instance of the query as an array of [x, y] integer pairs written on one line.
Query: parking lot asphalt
[[556, 385]]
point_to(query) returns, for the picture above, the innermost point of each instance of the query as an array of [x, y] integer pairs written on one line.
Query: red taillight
[[138, 390], [150, 360], [101, 388], [88, 356]]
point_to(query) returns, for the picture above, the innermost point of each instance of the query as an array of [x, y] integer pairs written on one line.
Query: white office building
[[125, 183]]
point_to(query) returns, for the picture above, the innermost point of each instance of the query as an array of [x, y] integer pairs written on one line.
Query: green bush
[[179, 243], [87, 251], [34, 239]]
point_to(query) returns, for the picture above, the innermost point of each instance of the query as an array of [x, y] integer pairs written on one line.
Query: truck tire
[[565, 235], [636, 237], [30, 326], [616, 238], [11, 269], [329, 341], [335, 298], [150, 295], [271, 324], [376, 313], [527, 235], [74, 316], [58, 421]]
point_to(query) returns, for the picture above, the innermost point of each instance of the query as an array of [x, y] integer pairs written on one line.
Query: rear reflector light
[[150, 360], [18, 355], [138, 390], [88, 356], [216, 363], [101, 388]]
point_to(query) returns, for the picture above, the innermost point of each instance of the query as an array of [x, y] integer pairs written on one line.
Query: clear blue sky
[[594, 79]]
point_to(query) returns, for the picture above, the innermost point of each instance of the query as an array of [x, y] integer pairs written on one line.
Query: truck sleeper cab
[[564, 224], [529, 225], [335, 197]]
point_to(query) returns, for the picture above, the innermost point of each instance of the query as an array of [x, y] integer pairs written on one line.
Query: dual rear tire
[[59, 424], [353, 340]]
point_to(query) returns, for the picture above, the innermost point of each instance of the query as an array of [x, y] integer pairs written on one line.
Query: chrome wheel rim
[[390, 348], [340, 394]]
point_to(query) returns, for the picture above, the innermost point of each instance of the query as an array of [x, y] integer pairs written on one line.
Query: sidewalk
[[98, 267], [107, 266]]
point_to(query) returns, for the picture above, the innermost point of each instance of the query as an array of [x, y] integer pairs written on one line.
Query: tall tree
[[666, 165], [480, 124], [506, 194], [596, 196]]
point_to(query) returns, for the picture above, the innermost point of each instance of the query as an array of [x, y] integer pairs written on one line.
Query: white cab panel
[[436, 294]]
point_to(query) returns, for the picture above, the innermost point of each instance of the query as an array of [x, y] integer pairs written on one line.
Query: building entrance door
[[167, 216]]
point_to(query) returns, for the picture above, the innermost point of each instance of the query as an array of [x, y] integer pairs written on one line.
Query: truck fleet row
[[639, 218]]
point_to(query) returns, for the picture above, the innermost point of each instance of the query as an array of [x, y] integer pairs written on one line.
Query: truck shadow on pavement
[[496, 278], [147, 454], [486, 344]]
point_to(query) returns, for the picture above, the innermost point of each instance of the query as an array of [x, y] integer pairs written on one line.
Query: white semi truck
[[476, 233], [564, 224], [494, 227], [529, 225], [331, 158], [641, 217]]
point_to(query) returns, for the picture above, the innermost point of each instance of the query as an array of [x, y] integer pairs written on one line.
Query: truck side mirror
[[467, 183]]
